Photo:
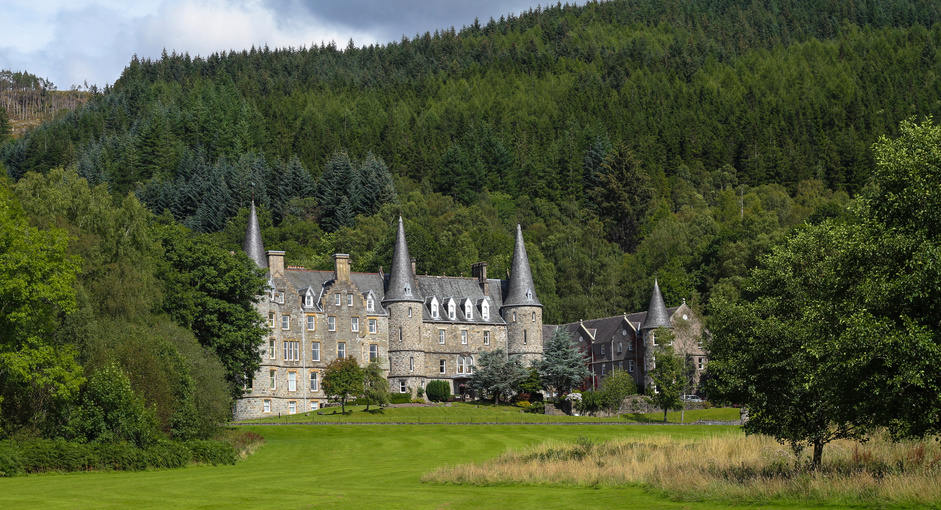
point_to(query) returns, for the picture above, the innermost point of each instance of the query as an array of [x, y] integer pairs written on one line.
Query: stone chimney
[[414, 265], [480, 271], [275, 263], [342, 263]]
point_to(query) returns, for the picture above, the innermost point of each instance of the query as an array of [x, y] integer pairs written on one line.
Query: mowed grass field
[[353, 466], [464, 413]]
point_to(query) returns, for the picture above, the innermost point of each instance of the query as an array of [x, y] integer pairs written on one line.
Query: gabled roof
[[253, 245], [521, 291], [401, 279], [657, 315]]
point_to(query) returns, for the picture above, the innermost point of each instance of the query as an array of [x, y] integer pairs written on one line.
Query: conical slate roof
[[521, 290], [657, 315], [401, 279], [253, 245]]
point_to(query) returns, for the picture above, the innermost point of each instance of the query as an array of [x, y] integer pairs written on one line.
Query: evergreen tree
[[563, 366]]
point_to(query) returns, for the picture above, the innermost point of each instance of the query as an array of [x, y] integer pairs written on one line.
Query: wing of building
[[418, 328], [628, 341]]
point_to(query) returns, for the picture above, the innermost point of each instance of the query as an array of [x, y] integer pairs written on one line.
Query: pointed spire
[[657, 315], [521, 291], [253, 245], [401, 278]]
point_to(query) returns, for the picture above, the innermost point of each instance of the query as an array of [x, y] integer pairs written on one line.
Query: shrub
[[438, 391], [524, 404], [537, 408], [10, 462], [212, 452], [591, 401], [401, 398]]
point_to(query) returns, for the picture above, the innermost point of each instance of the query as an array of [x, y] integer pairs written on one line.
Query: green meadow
[[349, 466]]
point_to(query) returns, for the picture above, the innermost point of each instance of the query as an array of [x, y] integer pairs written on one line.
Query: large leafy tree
[[498, 375], [342, 380], [37, 373], [563, 366], [835, 331], [212, 292]]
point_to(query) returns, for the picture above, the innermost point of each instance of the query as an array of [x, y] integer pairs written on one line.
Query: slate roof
[[401, 279], [253, 244], [321, 281], [521, 291], [657, 315]]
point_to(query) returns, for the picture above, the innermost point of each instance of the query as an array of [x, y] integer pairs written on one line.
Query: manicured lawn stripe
[[347, 467]]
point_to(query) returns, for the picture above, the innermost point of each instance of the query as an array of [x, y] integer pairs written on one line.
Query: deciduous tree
[[342, 380]]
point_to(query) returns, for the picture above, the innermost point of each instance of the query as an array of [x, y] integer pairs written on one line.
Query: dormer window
[[468, 310], [434, 309], [485, 310], [370, 303], [529, 294], [308, 300], [452, 312]]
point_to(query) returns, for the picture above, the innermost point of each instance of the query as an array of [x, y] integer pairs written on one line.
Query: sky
[[74, 42]]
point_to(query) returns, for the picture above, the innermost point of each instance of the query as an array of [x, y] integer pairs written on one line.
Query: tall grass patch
[[753, 469]]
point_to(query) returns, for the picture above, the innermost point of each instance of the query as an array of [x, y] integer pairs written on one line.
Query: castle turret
[[402, 300], [522, 310], [657, 317], [253, 246]]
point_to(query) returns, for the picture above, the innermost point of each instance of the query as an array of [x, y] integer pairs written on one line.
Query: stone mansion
[[418, 328]]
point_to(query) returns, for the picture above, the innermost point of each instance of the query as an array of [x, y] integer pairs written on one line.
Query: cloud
[[71, 42]]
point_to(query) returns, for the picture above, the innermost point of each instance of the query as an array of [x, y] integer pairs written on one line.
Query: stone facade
[[418, 328]]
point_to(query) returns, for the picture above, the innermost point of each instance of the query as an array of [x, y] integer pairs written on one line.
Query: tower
[[404, 304], [522, 310], [657, 317]]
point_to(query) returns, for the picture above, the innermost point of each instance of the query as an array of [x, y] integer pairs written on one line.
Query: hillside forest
[[631, 140]]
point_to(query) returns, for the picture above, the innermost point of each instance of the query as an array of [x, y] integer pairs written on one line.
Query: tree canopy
[[343, 379], [563, 366]]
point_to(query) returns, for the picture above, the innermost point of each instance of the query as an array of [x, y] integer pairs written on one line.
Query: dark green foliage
[[212, 452], [347, 189], [438, 391], [400, 398], [43, 456], [5, 126], [109, 411], [616, 386], [212, 293], [563, 366], [497, 375]]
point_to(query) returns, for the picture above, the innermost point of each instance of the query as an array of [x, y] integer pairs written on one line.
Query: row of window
[[292, 406], [292, 380], [452, 309], [465, 365], [443, 334], [292, 351], [337, 300], [312, 323]]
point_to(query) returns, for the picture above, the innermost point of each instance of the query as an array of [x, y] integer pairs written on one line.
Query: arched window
[[434, 309], [534, 316], [485, 310], [452, 312], [370, 303], [468, 310]]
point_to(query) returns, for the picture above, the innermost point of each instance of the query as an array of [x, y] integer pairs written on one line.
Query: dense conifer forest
[[632, 140]]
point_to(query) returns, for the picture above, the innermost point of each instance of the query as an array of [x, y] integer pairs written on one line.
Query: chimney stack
[[342, 264], [480, 271], [275, 263]]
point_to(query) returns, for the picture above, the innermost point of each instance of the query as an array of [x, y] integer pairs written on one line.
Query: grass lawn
[[459, 412], [350, 466]]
